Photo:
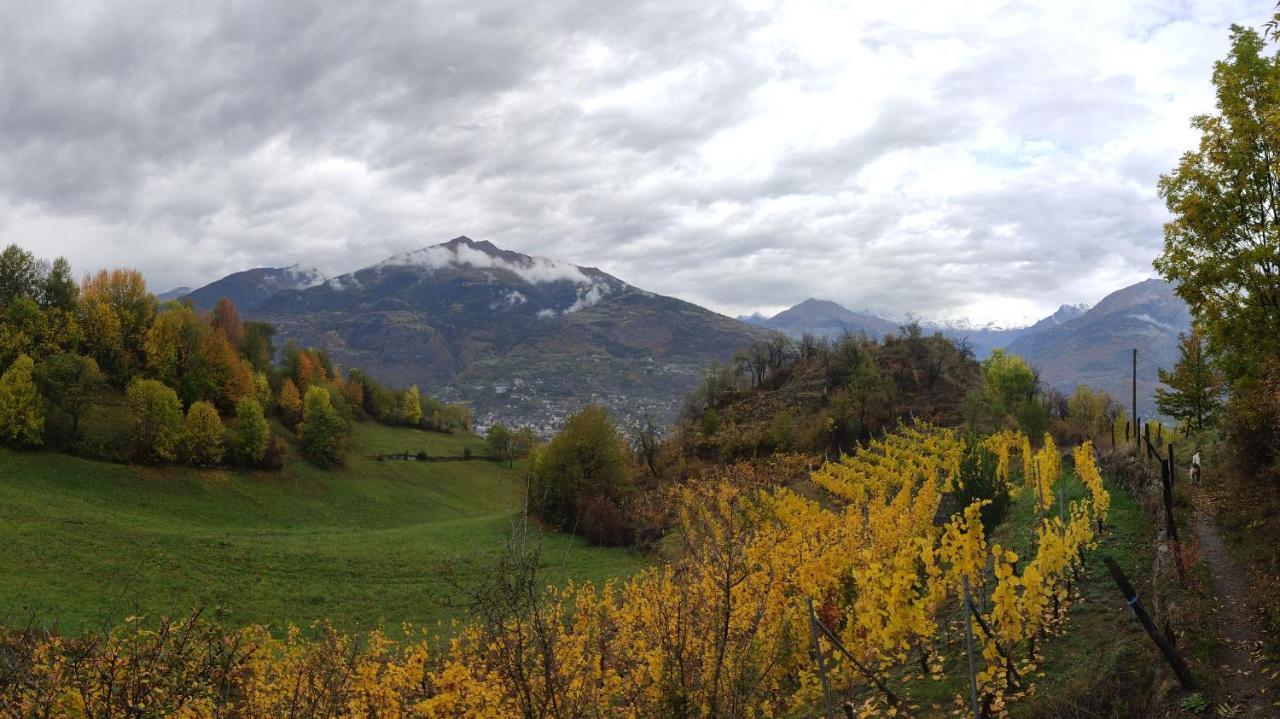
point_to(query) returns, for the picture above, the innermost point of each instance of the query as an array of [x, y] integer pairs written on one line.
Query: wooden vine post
[[815, 653], [1166, 648], [968, 646], [1166, 479]]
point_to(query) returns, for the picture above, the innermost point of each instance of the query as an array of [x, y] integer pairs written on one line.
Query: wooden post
[[968, 646], [1159, 433], [1166, 479], [1135, 389], [1012, 678], [862, 669], [815, 653], [1113, 435], [1170, 654]]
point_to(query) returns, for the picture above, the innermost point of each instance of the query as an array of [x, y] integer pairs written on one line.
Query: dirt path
[[1244, 687]]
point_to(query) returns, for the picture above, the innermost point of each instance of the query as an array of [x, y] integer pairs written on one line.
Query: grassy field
[[84, 544]]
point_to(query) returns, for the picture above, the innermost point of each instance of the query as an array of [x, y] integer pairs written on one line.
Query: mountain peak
[[484, 246], [464, 252]]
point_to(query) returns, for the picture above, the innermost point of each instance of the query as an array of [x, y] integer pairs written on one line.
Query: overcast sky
[[981, 159]]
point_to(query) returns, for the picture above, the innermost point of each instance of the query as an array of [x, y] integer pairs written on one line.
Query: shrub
[[202, 435], [979, 480], [276, 454], [422, 455], [157, 421], [603, 524]]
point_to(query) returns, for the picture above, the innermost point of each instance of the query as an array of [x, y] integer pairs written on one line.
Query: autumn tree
[[1222, 247], [157, 420], [175, 351], [226, 319], [202, 432], [411, 407], [21, 409], [1010, 381], [586, 460], [70, 382], [290, 402], [323, 431], [250, 433], [262, 391], [116, 311], [230, 375], [1195, 386]]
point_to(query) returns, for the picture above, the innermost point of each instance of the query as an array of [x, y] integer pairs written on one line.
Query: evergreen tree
[[1195, 385], [21, 409]]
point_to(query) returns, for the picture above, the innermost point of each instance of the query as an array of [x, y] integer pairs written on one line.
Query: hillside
[[1096, 348], [88, 543], [527, 340], [824, 318]]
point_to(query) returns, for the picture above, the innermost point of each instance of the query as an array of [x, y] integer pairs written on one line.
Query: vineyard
[[776, 605]]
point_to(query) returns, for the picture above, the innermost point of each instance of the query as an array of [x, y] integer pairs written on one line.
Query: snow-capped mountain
[[522, 338], [250, 288]]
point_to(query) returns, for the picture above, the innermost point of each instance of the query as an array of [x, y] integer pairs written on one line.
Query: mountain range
[[528, 340], [1077, 344]]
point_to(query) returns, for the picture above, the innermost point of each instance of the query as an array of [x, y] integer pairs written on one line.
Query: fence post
[[968, 646], [1170, 654], [815, 652], [1166, 479]]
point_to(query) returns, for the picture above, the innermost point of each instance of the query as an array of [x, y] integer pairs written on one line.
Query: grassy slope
[[86, 543]]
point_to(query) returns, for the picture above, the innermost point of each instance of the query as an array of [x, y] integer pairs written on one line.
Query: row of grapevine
[[721, 631]]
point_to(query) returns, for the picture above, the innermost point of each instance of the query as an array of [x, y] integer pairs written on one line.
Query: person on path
[[1195, 468]]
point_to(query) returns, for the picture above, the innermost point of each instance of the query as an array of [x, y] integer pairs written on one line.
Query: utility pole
[[1135, 389]]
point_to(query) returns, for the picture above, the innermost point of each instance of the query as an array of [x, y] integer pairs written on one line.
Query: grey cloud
[[195, 139]]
